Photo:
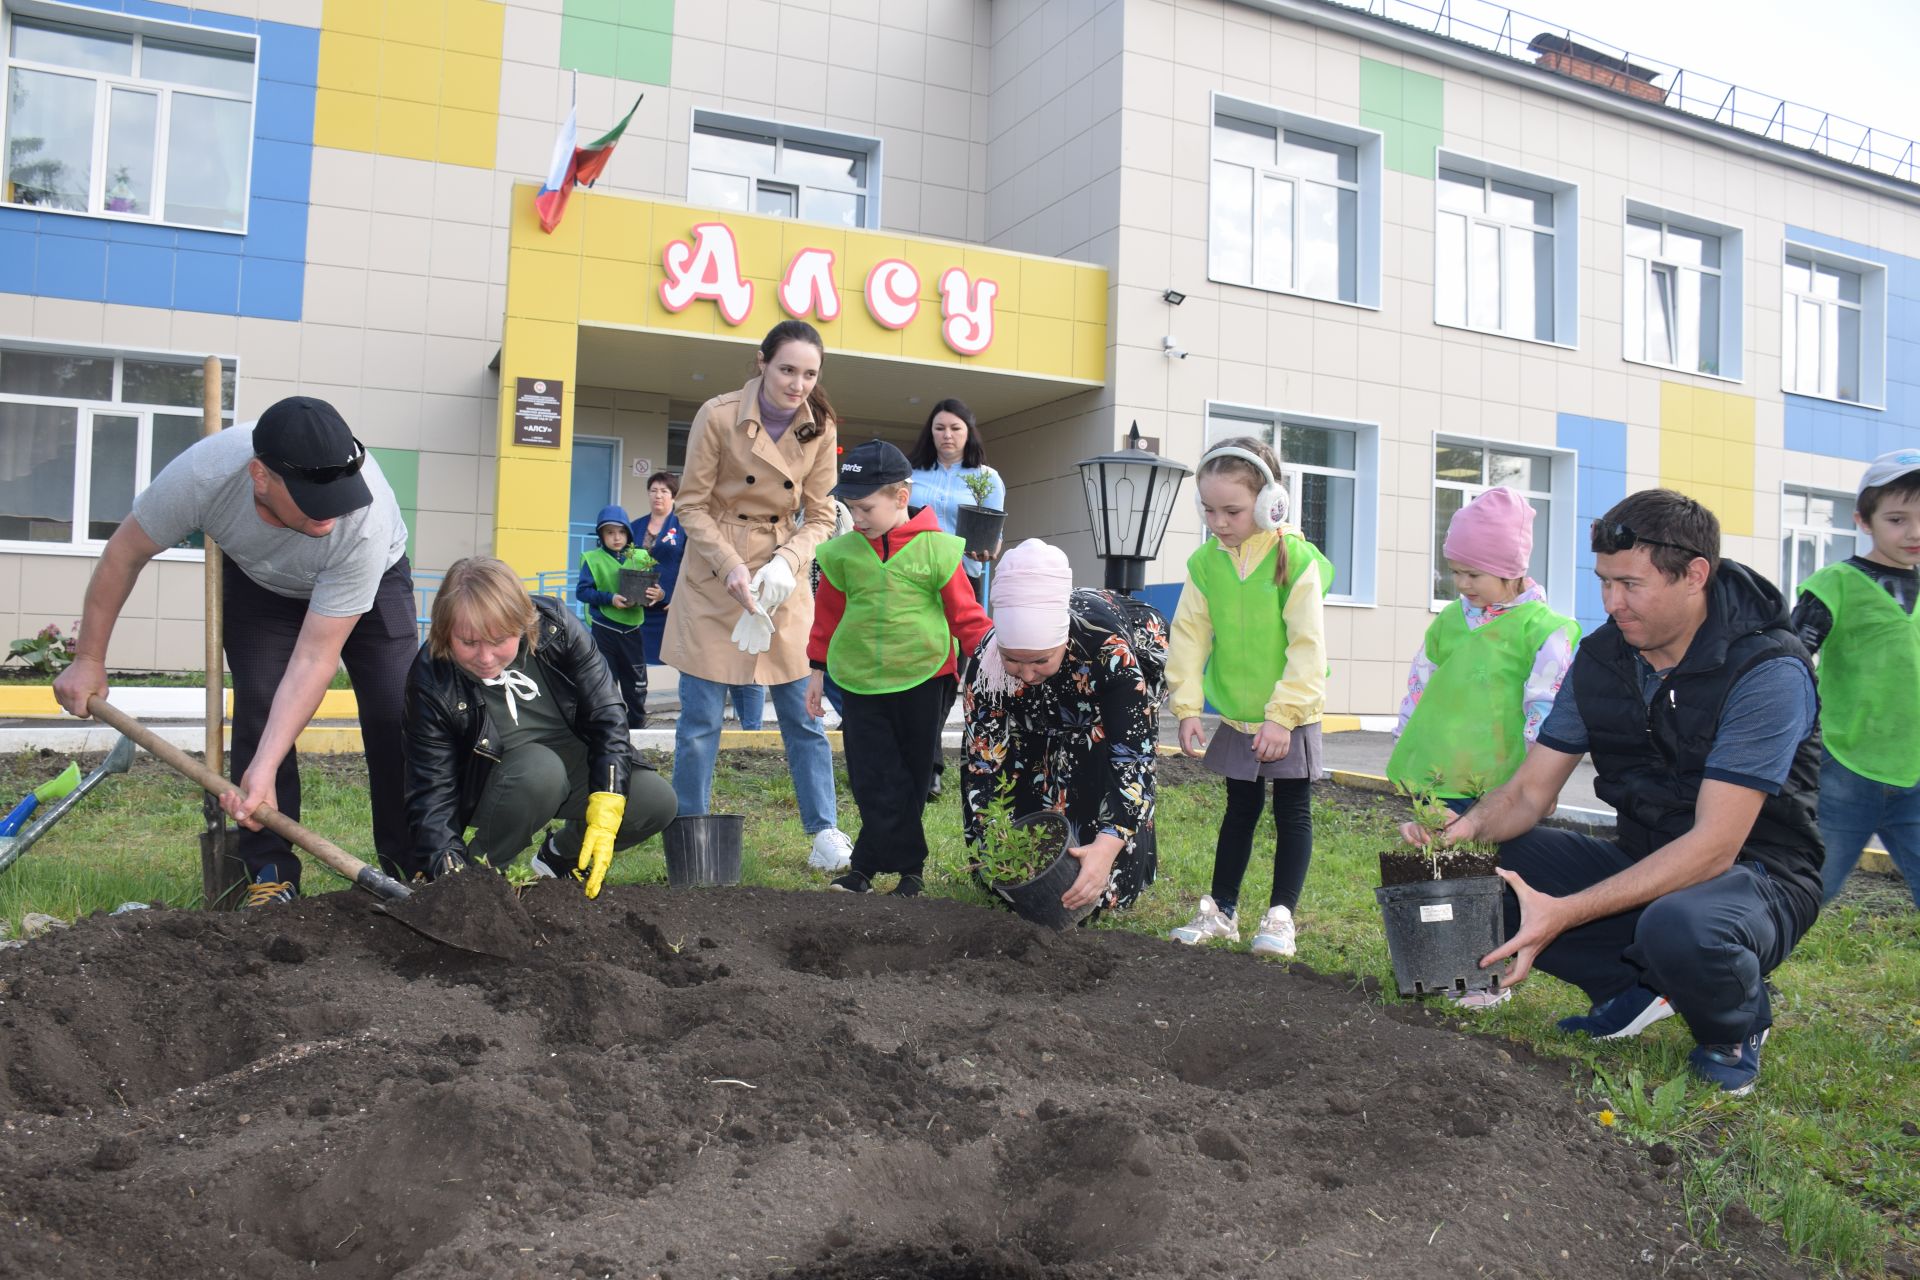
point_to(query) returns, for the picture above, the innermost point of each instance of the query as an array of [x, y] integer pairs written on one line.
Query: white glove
[[773, 584], [754, 632]]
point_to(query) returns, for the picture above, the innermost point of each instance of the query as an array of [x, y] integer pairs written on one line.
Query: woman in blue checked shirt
[[949, 450]]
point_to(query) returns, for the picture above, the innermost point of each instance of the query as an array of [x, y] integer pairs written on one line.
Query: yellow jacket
[[1300, 696]]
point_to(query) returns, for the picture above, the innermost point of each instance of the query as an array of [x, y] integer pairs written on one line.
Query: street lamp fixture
[[1130, 496]]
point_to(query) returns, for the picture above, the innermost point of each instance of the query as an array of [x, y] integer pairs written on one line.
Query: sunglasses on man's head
[[321, 475], [1610, 536]]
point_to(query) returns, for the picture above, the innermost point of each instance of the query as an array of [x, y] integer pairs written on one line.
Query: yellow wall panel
[[863, 251], [613, 292], [470, 82], [930, 260], [795, 236], [861, 332], [531, 492], [1090, 297], [1090, 351], [531, 551], [921, 340], [525, 232], [357, 17], [537, 349], [467, 137], [418, 22], [475, 26], [612, 228], [1046, 289], [407, 129], [1046, 345], [409, 72], [343, 120]]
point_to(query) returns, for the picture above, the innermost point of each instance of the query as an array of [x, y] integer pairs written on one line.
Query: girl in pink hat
[[1487, 672]]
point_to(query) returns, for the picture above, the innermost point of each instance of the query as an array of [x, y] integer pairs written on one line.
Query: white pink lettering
[[968, 314], [809, 286], [893, 293], [711, 270]]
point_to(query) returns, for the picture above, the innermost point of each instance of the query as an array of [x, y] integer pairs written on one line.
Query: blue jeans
[[696, 744], [749, 704], [1852, 808]]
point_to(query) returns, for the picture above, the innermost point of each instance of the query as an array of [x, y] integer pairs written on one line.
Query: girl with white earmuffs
[[1249, 637]]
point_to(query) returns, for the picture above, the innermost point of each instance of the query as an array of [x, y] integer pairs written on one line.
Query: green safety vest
[[894, 633], [1249, 625], [1869, 669], [1468, 733], [606, 577]]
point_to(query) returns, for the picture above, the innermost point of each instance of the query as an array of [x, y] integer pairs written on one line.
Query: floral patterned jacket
[[1081, 741]]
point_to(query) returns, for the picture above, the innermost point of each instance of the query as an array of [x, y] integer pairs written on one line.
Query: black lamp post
[[1130, 499]]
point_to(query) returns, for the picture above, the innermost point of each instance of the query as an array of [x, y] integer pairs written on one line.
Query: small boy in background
[[1858, 615], [893, 600], [614, 619]]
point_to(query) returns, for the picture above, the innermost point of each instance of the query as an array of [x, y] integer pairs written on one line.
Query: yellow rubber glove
[[605, 809]]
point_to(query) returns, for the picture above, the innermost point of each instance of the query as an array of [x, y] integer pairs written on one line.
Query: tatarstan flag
[[573, 164]]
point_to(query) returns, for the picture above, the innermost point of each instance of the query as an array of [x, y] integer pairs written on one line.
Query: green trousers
[[533, 785]]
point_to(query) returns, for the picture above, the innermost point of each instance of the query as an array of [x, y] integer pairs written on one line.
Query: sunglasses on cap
[[321, 475], [1621, 537]]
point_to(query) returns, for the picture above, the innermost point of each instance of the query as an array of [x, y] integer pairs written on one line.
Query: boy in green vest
[[613, 618], [892, 602], [1858, 615]]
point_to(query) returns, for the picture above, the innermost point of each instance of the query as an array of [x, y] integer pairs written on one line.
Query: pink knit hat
[[1493, 533]]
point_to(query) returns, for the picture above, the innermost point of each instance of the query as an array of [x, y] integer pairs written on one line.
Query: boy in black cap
[[315, 573], [893, 600]]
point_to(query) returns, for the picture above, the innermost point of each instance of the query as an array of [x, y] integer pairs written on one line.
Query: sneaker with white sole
[[547, 862], [1274, 937], [1480, 1000], [1621, 1016], [1209, 924], [1734, 1067], [832, 851]]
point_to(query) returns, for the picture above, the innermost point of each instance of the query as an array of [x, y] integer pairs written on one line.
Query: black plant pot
[[703, 850], [1038, 899], [1437, 930], [635, 582], [980, 526]]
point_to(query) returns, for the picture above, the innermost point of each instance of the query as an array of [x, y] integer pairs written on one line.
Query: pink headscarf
[[1493, 533], [1032, 585]]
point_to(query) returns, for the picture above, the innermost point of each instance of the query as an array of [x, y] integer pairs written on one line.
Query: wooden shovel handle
[[336, 859]]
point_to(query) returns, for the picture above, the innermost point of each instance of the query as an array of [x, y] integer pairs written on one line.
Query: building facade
[[1418, 265]]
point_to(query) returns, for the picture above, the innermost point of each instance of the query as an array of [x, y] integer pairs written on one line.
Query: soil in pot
[[1038, 899], [634, 583], [1411, 866]]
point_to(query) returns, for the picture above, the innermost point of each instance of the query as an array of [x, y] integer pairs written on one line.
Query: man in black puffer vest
[[1697, 704]]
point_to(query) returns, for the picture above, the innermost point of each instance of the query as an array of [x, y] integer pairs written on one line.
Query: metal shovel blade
[[118, 760], [474, 910]]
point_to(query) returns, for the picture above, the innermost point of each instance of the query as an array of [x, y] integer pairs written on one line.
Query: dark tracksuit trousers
[[259, 629], [890, 748], [626, 655], [1707, 949]]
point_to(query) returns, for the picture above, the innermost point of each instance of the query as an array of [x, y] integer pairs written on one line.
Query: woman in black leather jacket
[[512, 720]]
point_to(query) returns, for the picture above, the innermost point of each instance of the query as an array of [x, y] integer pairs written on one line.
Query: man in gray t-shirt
[[315, 574]]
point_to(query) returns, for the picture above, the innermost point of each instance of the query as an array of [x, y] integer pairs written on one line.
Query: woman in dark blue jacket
[[662, 538]]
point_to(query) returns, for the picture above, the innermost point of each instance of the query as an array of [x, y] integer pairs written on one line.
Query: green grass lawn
[[1827, 1147]]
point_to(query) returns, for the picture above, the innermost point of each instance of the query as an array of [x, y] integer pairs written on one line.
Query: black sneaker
[[852, 882], [1734, 1067], [909, 887], [445, 863], [269, 890], [547, 862]]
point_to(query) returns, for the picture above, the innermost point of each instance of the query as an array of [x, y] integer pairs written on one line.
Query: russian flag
[[575, 164]]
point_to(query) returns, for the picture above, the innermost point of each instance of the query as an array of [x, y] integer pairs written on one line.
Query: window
[[1462, 471], [1832, 327], [1682, 308], [754, 166], [677, 433], [1295, 204], [1501, 262], [81, 432], [138, 120], [1330, 470], [1816, 530]]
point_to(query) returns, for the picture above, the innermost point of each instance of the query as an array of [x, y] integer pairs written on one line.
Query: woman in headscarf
[[1064, 701]]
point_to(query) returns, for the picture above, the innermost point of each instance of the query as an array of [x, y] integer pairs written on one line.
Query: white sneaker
[[1274, 937], [832, 851], [1208, 924]]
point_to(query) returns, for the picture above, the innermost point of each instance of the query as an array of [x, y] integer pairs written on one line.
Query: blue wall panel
[[1602, 448], [1838, 430], [143, 265]]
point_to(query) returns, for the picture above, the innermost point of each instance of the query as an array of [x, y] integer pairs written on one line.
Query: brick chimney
[[1578, 62]]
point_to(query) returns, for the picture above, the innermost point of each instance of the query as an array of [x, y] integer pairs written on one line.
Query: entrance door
[[596, 477]]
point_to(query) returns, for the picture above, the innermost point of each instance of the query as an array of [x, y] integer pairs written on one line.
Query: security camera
[[1173, 350]]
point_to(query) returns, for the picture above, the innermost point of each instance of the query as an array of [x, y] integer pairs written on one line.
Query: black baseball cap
[[870, 466], [306, 443]]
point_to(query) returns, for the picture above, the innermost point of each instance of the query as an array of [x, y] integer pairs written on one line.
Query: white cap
[[1889, 467]]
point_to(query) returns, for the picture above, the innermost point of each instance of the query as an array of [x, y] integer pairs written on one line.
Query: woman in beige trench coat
[[754, 502]]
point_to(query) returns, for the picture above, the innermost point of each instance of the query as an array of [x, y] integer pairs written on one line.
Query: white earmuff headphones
[[1270, 505]]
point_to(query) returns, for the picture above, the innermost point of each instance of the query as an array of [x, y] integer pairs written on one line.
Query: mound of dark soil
[[743, 1083]]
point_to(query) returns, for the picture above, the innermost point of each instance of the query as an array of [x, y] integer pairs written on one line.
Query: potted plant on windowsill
[[1442, 908], [1024, 861], [979, 524]]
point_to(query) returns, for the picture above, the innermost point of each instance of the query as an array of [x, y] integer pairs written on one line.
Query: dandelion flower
[[1607, 1118]]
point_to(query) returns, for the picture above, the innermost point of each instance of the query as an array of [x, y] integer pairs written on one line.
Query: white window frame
[[1873, 323], [779, 133], [81, 544], [1367, 186], [140, 28], [1729, 362], [1360, 587], [1793, 532], [1563, 477], [1566, 246]]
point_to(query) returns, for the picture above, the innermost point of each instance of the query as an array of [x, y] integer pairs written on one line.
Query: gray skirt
[[1230, 754]]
